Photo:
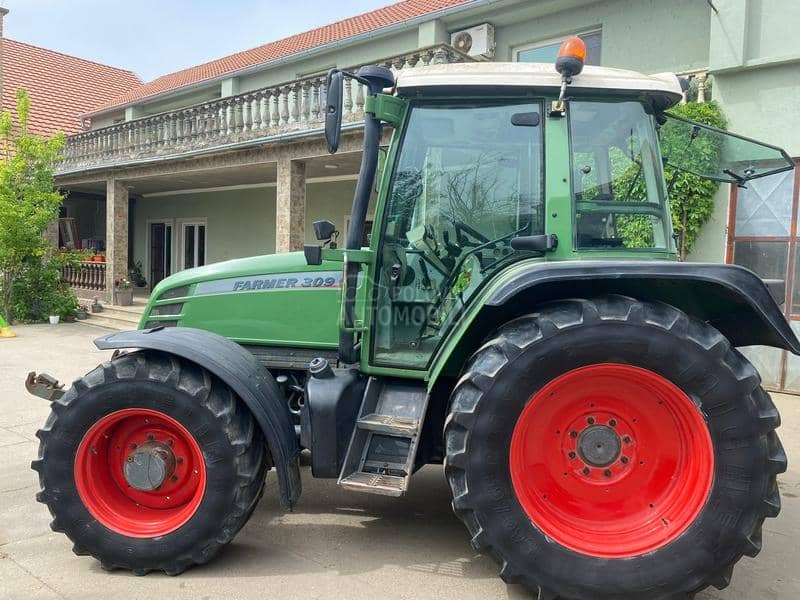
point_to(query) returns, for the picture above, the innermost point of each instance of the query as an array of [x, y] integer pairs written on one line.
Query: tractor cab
[[494, 164]]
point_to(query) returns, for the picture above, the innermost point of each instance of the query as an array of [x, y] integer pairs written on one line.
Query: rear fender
[[239, 369], [734, 300]]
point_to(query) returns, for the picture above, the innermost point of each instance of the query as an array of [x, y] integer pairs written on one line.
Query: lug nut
[[586, 470], [174, 478], [133, 446], [613, 422], [590, 420], [179, 460], [607, 472], [130, 459], [624, 460], [572, 455], [627, 439], [573, 434], [169, 443], [151, 437]]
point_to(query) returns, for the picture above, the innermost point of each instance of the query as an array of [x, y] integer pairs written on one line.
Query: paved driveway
[[337, 544]]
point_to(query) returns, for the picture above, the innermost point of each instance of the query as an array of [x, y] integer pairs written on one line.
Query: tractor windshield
[[618, 184], [467, 180]]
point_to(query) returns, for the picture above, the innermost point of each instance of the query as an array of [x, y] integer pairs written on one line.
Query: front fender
[[239, 369]]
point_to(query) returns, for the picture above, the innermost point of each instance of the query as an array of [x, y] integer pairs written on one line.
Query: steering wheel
[[472, 232]]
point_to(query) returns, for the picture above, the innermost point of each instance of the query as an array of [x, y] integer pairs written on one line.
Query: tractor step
[[387, 485], [380, 458]]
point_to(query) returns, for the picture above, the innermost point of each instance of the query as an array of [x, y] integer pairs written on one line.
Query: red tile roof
[[364, 23], [60, 87]]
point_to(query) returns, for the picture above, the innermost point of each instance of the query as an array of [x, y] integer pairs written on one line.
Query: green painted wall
[[239, 222], [333, 201], [644, 35], [756, 79]]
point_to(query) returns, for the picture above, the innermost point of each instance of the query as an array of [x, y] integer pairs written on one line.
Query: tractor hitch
[[44, 386]]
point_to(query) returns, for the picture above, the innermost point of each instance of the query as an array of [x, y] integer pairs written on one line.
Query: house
[[226, 159]]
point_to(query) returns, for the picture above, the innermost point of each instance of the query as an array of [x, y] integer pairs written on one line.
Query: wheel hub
[[149, 466], [599, 445]]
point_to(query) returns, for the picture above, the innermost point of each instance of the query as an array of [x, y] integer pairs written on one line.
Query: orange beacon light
[[571, 57]]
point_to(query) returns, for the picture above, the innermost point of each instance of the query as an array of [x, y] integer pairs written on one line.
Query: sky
[[152, 38]]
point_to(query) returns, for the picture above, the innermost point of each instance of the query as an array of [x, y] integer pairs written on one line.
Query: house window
[[763, 236], [547, 50]]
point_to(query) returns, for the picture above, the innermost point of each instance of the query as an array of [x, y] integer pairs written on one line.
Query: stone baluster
[[305, 86], [262, 102], [274, 108], [313, 101], [347, 107], [284, 107], [358, 98], [244, 102], [702, 80]]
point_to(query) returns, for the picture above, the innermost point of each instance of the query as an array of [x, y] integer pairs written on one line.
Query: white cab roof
[[663, 87]]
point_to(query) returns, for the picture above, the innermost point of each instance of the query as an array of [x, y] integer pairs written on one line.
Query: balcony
[[294, 107]]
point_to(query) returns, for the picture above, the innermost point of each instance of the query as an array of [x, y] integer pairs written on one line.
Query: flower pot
[[97, 258], [123, 297], [54, 319], [97, 307]]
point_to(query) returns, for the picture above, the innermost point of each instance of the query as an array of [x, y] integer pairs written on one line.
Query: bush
[[39, 293]]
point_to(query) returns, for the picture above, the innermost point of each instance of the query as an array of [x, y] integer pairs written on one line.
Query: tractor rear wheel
[[150, 463], [613, 449]]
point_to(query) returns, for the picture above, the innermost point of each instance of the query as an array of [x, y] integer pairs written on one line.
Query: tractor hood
[[246, 300]]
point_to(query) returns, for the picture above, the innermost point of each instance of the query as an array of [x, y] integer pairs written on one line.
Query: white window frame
[[515, 50], [181, 225], [170, 222]]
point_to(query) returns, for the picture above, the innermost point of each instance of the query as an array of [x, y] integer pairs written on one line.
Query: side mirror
[[324, 230], [333, 110]]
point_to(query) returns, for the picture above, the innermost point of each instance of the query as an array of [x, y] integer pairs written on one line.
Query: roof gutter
[[394, 28]]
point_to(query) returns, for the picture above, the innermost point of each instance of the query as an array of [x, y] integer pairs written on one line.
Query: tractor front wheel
[[613, 449], [150, 463]]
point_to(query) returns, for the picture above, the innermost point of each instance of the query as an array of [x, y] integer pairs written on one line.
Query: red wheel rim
[[611, 460], [100, 473]]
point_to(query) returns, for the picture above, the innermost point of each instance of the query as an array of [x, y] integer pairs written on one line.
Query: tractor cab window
[[467, 180], [618, 184]]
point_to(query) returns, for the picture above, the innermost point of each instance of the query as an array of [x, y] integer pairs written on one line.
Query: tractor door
[[467, 180]]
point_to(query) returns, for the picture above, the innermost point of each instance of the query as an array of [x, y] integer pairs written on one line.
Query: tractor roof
[[664, 88]]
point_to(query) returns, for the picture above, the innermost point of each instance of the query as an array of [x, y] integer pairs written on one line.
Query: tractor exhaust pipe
[[376, 79]]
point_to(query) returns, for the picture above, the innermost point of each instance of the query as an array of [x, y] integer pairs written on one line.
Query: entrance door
[[193, 240], [160, 252]]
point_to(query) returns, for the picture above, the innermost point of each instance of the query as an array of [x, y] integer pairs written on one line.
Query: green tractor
[[519, 315]]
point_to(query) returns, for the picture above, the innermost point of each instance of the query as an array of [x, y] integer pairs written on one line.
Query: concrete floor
[[337, 544]]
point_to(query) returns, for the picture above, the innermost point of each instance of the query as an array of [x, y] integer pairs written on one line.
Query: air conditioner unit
[[476, 41]]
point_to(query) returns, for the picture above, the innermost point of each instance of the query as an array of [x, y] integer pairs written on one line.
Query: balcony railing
[[294, 106], [88, 276]]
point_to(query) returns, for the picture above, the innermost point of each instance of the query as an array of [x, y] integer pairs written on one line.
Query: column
[[116, 234], [290, 205]]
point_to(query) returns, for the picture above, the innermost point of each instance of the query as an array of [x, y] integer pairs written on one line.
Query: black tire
[[234, 453], [522, 356]]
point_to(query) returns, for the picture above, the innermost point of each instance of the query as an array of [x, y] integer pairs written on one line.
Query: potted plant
[[54, 319], [82, 312], [123, 292], [99, 257], [96, 306]]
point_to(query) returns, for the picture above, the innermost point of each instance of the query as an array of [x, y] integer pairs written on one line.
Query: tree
[[28, 199], [692, 197]]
